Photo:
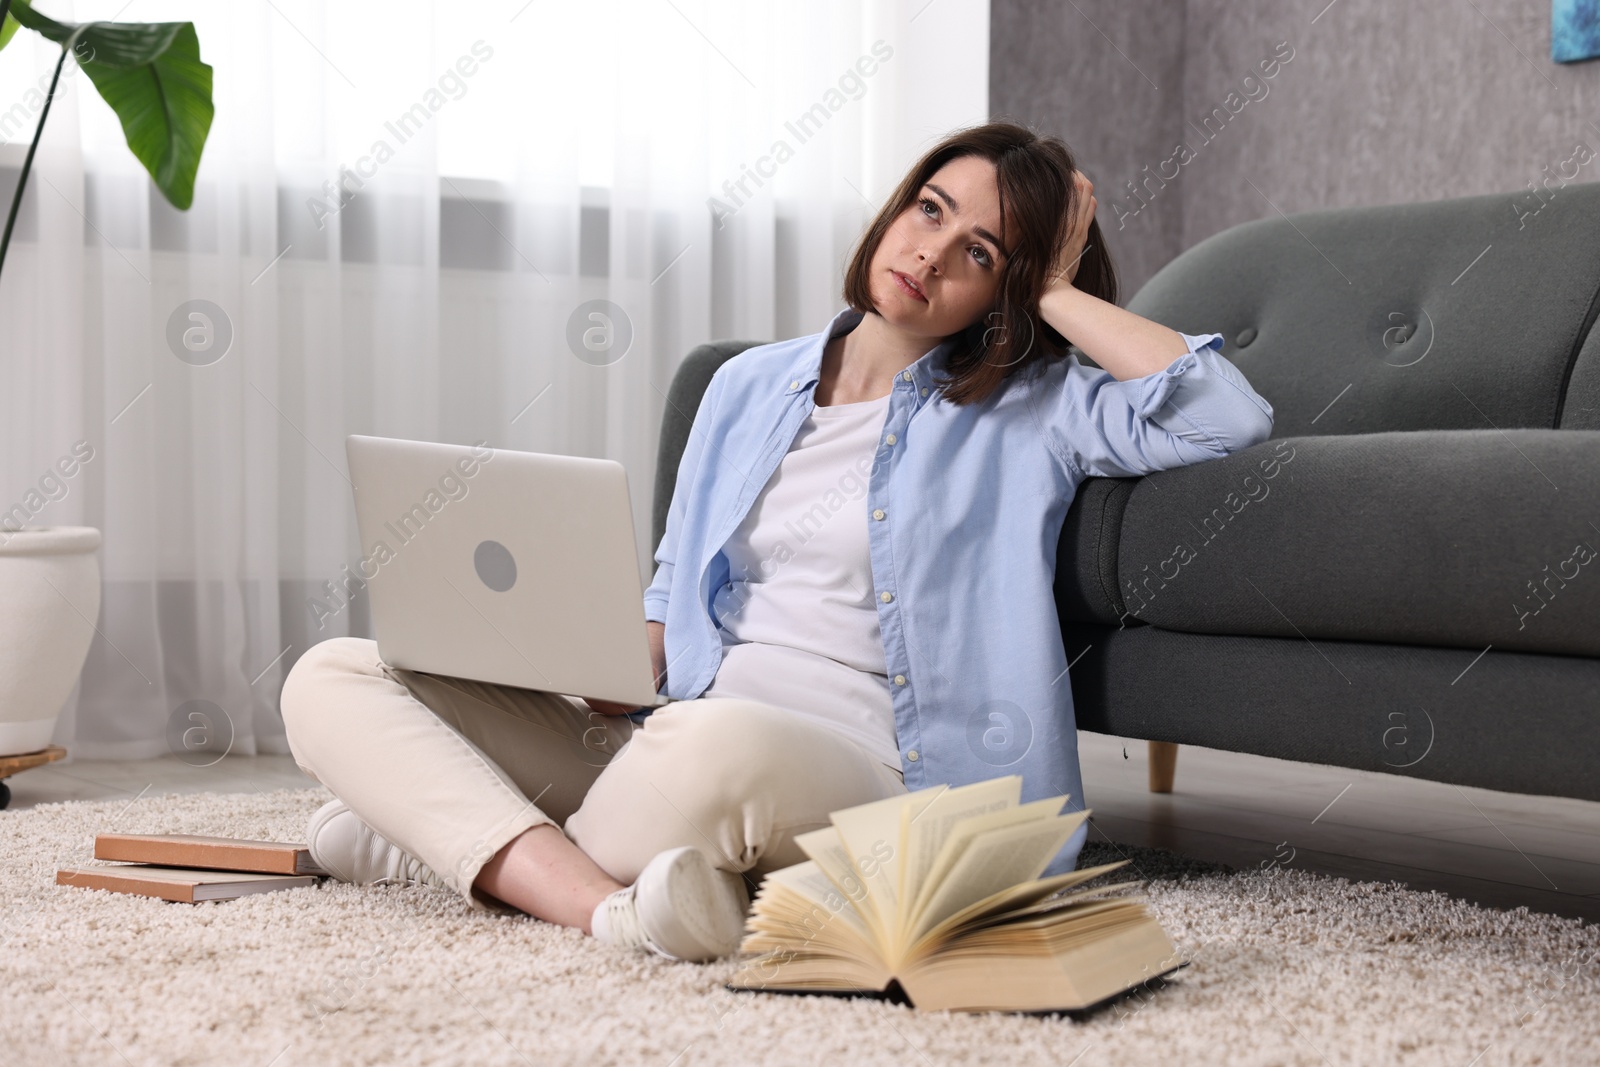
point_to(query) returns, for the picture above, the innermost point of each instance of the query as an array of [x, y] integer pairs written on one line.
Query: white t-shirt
[[799, 623]]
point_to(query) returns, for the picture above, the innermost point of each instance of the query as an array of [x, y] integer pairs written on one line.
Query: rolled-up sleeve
[[656, 596], [1200, 407]]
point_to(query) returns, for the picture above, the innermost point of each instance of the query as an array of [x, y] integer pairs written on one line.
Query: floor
[[1498, 849]]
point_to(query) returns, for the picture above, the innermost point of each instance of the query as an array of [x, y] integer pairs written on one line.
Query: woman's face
[[947, 244]]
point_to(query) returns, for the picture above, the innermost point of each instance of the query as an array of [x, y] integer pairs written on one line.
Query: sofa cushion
[[1515, 721], [1462, 538], [1454, 314]]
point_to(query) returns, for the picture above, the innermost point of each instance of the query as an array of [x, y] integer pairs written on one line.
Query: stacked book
[[189, 869]]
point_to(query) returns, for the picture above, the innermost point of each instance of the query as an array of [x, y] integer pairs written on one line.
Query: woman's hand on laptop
[[607, 707], [658, 657], [658, 651]]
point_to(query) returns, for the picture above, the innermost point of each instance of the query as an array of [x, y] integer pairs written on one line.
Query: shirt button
[[891, 439], [794, 385], [878, 514], [913, 756], [906, 375], [899, 679], [924, 390], [886, 597]]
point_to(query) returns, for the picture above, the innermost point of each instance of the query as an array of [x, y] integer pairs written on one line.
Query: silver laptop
[[518, 568]]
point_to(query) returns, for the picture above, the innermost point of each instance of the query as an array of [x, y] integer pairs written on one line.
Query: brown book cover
[[178, 883], [210, 853]]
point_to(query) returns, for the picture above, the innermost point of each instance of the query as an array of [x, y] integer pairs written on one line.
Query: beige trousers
[[452, 770]]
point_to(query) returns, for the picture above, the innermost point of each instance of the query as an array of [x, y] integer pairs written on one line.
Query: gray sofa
[[1406, 577]]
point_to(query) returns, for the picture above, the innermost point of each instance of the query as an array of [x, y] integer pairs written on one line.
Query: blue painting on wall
[[1574, 30]]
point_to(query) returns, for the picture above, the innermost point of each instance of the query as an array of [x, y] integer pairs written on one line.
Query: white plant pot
[[50, 589]]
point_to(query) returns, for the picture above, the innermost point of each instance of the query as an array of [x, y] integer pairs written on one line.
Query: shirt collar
[[805, 370]]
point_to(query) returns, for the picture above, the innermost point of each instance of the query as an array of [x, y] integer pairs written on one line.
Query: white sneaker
[[681, 908], [351, 851]]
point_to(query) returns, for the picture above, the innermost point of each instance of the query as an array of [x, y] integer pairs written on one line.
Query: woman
[[854, 590]]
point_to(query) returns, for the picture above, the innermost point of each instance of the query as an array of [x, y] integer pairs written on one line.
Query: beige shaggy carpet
[[1289, 968]]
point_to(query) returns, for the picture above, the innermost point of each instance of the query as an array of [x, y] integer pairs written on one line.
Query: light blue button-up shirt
[[963, 556]]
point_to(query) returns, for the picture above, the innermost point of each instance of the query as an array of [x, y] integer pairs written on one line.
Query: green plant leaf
[[152, 76], [164, 104], [8, 29]]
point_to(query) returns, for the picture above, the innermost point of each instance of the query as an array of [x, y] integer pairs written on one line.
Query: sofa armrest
[[1452, 538]]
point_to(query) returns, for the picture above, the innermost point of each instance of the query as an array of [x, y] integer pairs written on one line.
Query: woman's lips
[[907, 286]]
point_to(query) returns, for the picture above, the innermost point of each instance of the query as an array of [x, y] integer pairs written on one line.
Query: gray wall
[[1381, 103]]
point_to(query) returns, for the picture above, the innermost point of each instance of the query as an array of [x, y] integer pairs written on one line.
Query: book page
[[801, 972], [960, 835], [809, 881], [871, 836], [1015, 900], [927, 827], [996, 860], [827, 851], [1001, 913], [800, 918]]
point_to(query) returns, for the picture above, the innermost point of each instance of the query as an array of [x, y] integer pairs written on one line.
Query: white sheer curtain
[[401, 208]]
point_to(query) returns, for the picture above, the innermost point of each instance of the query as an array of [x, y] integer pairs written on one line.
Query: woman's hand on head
[[1075, 244]]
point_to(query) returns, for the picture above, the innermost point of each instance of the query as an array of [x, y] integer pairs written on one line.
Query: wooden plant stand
[[10, 765]]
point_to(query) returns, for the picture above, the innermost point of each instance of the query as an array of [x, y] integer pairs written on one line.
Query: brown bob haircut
[[1037, 203]]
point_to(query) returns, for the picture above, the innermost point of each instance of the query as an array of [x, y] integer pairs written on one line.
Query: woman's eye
[[927, 203], [980, 250]]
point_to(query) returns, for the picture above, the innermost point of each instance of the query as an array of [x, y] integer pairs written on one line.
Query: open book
[[939, 890]]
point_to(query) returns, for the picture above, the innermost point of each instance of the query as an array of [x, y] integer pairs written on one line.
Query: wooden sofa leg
[[1163, 765]]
